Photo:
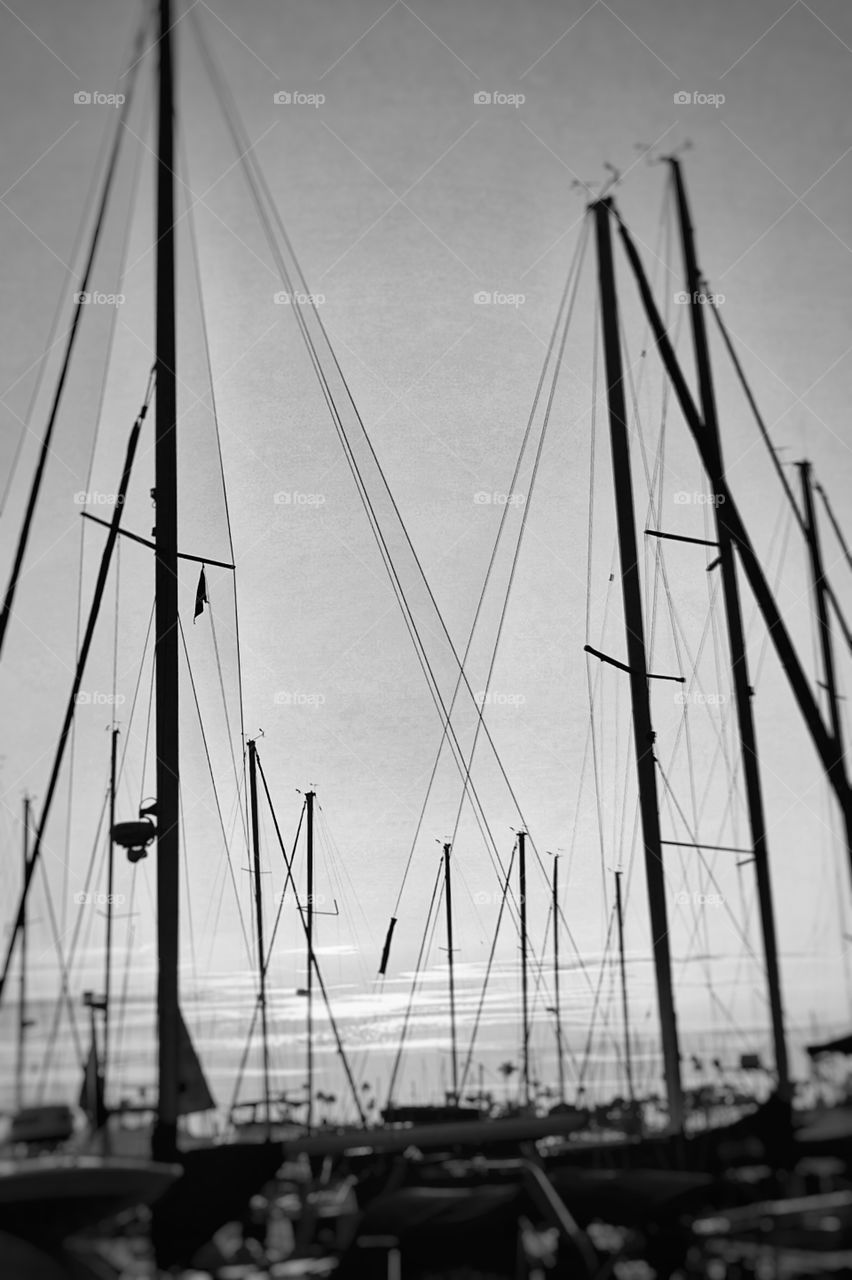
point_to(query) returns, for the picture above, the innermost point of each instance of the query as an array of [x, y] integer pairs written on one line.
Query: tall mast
[[820, 595], [22, 977], [309, 804], [164, 1144], [448, 898], [113, 773], [258, 906], [777, 631], [643, 735], [628, 1057], [557, 1007], [525, 1013], [736, 638]]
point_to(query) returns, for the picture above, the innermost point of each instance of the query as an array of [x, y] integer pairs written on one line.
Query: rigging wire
[[196, 259], [47, 1059], [312, 956], [35, 488], [565, 309], [98, 419], [575, 266], [215, 791], [259, 191], [238, 1078], [491, 954], [433, 901], [835, 526], [779, 470], [51, 339], [378, 534]]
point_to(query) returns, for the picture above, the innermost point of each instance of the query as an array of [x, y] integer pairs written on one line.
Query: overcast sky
[[404, 198]]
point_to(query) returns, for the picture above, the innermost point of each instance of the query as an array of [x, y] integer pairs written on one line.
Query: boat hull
[[44, 1199]]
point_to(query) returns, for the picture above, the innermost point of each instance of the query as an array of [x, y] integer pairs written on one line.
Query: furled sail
[[193, 1090]]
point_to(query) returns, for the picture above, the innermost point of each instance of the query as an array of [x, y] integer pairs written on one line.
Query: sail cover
[[842, 1045], [91, 1099]]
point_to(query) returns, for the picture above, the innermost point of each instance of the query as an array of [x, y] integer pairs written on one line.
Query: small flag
[[200, 595]]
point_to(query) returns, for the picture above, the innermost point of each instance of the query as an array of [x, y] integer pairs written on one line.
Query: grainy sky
[[404, 197]]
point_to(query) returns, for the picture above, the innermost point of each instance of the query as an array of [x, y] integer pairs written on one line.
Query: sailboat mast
[[628, 1057], [20, 1061], [448, 899], [557, 1007], [309, 826], [736, 637], [525, 1013], [788, 657], [258, 906], [819, 587], [113, 774], [164, 1143], [643, 735]]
